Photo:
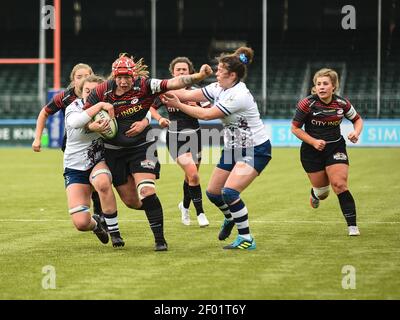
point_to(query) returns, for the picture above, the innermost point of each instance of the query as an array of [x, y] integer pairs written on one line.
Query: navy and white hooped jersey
[[243, 127], [84, 148]]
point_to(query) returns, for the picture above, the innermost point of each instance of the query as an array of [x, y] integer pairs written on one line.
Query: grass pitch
[[300, 251]]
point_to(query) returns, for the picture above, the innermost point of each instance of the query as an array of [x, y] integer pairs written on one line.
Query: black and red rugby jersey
[[61, 101], [130, 107], [321, 120]]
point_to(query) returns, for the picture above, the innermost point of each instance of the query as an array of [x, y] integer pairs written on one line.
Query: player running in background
[[84, 166], [132, 154], [60, 101], [323, 150], [184, 145], [247, 149]]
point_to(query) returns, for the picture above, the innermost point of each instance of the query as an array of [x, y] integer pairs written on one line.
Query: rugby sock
[[241, 218], [112, 223], [186, 195], [348, 207], [96, 203], [219, 202], [195, 195], [154, 212], [313, 194]]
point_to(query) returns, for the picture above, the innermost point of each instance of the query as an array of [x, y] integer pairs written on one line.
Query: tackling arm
[[199, 113]]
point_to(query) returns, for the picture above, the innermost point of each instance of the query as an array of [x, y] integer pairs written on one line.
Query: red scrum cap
[[123, 66]]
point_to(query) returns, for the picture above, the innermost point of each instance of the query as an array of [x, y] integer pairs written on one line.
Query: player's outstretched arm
[[171, 100], [184, 81]]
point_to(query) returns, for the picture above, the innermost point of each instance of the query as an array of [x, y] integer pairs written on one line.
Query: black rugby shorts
[[179, 143], [313, 160], [126, 161]]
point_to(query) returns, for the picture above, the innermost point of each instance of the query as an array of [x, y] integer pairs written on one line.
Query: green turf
[[300, 251]]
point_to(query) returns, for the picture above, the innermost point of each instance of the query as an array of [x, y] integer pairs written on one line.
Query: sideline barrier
[[376, 133]]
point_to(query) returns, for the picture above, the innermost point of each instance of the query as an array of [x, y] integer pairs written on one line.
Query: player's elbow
[[294, 129], [43, 114]]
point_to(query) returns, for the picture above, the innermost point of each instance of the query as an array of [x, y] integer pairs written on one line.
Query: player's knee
[[230, 195], [81, 221], [102, 180], [146, 188], [103, 186], [339, 186], [81, 225], [193, 178], [146, 192], [215, 198], [322, 193]]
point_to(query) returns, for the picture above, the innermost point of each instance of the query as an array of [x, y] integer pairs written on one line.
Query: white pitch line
[[251, 221]]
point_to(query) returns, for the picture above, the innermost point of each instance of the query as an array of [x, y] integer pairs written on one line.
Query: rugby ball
[[113, 127]]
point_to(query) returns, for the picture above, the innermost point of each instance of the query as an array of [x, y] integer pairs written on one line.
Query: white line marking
[[216, 222]]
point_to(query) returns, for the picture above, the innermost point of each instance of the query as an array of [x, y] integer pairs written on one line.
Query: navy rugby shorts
[[257, 157], [76, 176]]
